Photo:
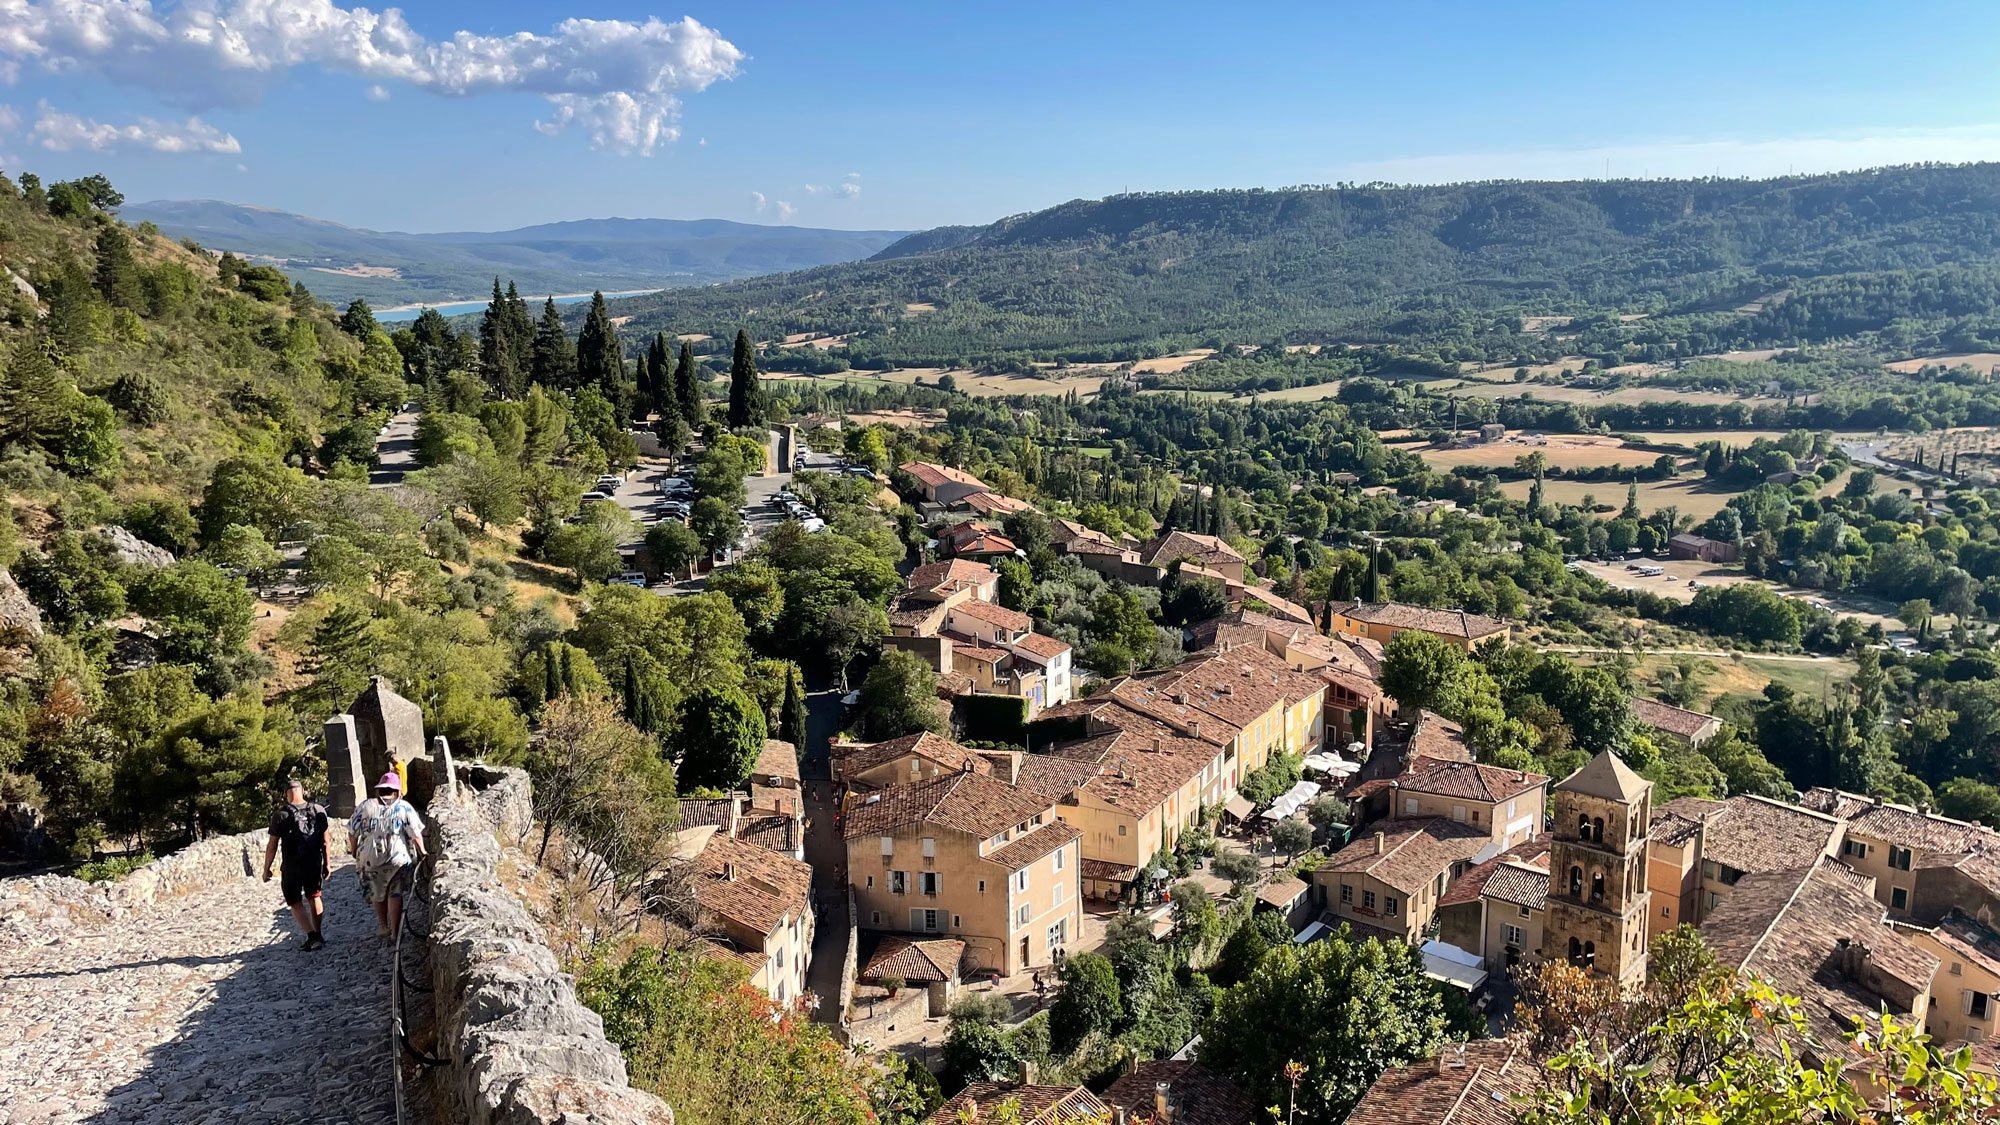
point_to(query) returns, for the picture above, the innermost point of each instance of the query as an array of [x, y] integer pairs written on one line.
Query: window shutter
[[1965, 1001], [888, 845]]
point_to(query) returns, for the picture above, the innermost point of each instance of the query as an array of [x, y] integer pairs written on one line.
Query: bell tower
[[1597, 871]]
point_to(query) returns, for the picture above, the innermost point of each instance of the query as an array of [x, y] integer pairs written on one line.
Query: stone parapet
[[521, 1048]]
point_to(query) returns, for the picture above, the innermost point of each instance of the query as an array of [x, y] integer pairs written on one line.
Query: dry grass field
[[1587, 395], [1566, 451], [976, 385], [914, 419], [1981, 361], [1168, 364], [1692, 497], [1696, 437]]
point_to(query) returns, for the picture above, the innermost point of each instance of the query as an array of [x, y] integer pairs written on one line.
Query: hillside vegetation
[[398, 268], [1451, 267]]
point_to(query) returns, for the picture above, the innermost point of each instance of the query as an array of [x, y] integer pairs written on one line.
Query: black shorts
[[300, 883]]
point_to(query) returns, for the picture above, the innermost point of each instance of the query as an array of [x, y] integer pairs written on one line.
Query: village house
[[1471, 1083], [1699, 850], [989, 1103], [1496, 909], [759, 906], [1205, 551], [1350, 667], [1674, 726], [947, 615], [1178, 1092], [942, 484], [1389, 881], [1894, 845], [975, 539], [971, 857], [1382, 621], [1965, 994]]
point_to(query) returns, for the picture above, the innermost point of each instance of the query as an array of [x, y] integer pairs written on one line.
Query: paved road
[[395, 450], [200, 1009]]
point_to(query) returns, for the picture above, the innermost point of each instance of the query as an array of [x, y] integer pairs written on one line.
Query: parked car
[[595, 497], [862, 471], [630, 578], [671, 485]]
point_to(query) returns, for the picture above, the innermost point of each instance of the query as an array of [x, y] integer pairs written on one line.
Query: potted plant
[[892, 985]]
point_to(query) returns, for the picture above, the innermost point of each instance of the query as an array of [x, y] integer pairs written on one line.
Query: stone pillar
[[442, 777], [346, 780]]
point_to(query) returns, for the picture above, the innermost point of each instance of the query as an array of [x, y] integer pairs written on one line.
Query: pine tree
[[687, 391], [359, 320], [746, 395], [496, 347], [555, 362], [117, 274], [600, 362], [792, 716]]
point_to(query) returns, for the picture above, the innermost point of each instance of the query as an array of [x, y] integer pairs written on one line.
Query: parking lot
[[640, 496]]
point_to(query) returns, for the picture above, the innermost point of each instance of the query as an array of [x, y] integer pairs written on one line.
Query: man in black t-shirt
[[298, 830]]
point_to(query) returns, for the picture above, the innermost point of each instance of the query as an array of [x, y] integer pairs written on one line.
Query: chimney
[[1121, 767], [1027, 1073], [1156, 744], [1118, 1116], [1162, 1112], [735, 813], [1381, 842], [1195, 727], [729, 873]]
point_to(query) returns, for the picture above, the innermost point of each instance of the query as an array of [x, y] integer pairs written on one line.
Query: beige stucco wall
[[1947, 1020], [977, 900], [1499, 916]]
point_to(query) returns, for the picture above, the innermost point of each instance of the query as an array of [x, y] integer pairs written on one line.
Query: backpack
[[378, 837]]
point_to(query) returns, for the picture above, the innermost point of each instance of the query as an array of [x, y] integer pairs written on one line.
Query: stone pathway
[[201, 1010]]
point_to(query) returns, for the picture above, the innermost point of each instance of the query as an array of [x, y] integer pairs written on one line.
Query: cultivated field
[[916, 419], [1590, 395], [1674, 585], [976, 385], [1977, 447], [1696, 437], [1168, 364]]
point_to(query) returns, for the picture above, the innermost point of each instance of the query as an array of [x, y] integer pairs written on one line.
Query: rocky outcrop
[[131, 549], [16, 611], [522, 1049]]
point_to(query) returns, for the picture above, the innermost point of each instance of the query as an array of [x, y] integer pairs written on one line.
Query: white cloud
[[10, 119], [759, 197], [815, 189], [850, 189], [66, 132], [378, 93], [617, 80], [1773, 156], [786, 210]]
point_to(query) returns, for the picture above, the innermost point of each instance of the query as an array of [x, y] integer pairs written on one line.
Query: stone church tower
[[1597, 871]]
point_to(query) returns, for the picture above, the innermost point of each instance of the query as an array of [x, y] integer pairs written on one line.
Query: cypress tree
[[520, 333], [792, 717], [746, 395], [600, 362], [1371, 586], [687, 391], [555, 362], [496, 347]]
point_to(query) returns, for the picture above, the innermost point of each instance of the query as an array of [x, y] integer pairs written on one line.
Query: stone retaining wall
[[522, 1049]]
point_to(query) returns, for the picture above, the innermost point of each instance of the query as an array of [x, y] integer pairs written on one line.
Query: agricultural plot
[[1973, 451], [1693, 497], [1978, 361], [1563, 451], [1586, 395]]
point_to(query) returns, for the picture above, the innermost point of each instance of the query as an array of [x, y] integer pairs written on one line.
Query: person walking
[[298, 833], [386, 837]]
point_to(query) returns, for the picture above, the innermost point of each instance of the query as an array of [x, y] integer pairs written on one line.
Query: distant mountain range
[[1439, 266], [392, 268]]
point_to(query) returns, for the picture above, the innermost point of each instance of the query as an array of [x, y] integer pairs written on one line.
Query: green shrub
[[114, 867]]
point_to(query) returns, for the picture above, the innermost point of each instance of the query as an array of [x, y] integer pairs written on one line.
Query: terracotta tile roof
[[1205, 550], [851, 758], [972, 649], [1026, 850], [1470, 780], [1054, 775], [922, 617], [1834, 802], [1675, 822], [917, 962], [967, 802], [1476, 1083], [698, 811], [949, 576], [1135, 776], [750, 885], [1793, 929], [981, 542], [1669, 718], [994, 614], [1902, 825], [1468, 887], [1443, 622], [1281, 893], [777, 759], [1606, 776], [772, 829], [1520, 885], [1280, 606], [1037, 1105], [1437, 738], [1753, 834], [1041, 647], [1198, 1095], [1412, 852], [932, 475], [1981, 867], [989, 502]]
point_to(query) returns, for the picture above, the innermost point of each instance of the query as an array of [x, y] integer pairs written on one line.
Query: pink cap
[[390, 781]]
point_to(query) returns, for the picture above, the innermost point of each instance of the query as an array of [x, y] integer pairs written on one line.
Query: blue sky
[[908, 116]]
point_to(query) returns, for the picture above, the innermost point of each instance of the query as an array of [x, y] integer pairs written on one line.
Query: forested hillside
[[1452, 265]]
